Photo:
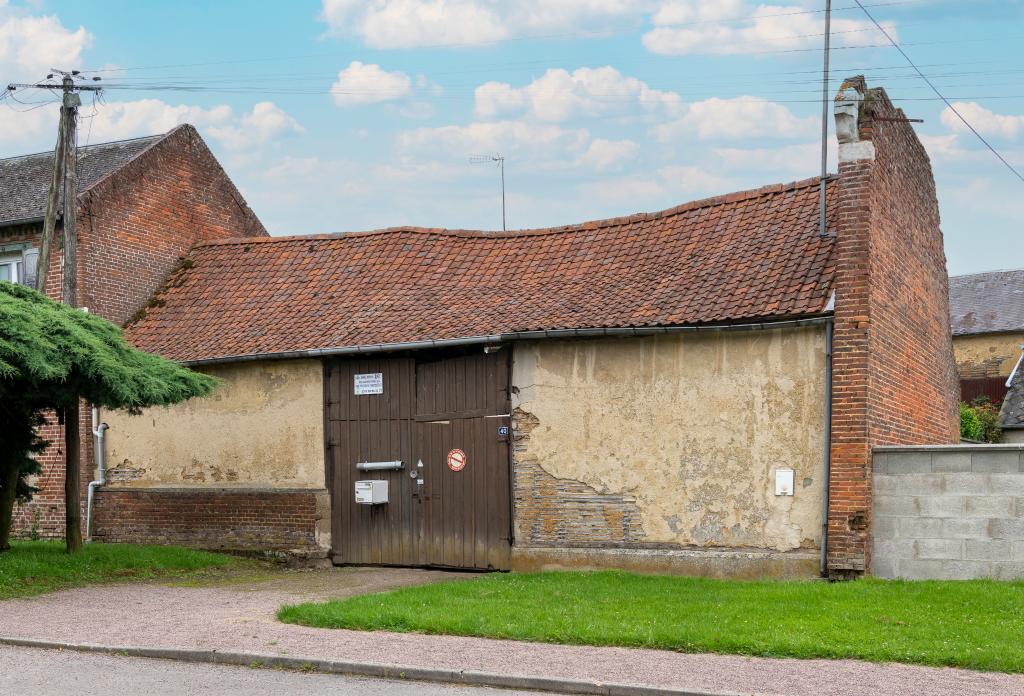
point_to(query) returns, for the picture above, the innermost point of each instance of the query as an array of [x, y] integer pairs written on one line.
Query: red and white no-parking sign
[[457, 460]]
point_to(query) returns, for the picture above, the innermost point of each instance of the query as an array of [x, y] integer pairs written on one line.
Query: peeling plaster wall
[[263, 426], [679, 435], [987, 355]]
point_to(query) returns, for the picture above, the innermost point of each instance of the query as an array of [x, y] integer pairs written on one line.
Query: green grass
[[977, 625], [35, 567]]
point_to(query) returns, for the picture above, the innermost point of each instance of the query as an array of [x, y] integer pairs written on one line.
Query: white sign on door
[[372, 383]]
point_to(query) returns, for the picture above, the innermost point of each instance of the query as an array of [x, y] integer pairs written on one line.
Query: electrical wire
[[940, 95]]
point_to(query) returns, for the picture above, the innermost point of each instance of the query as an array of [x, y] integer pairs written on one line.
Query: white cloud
[[368, 83], [116, 120], [559, 95], [684, 27], [736, 118], [411, 23], [31, 45], [984, 121], [603, 155], [669, 185], [514, 139]]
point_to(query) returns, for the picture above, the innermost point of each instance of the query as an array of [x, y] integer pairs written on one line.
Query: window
[[10, 268]]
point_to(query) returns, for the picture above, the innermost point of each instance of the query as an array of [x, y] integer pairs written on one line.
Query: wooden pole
[[69, 292], [52, 201]]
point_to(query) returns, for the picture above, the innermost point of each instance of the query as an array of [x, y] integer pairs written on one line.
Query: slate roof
[[1011, 415], [987, 302], [25, 180], [746, 256]]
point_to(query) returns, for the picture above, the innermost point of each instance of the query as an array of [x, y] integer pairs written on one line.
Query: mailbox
[[371, 492]]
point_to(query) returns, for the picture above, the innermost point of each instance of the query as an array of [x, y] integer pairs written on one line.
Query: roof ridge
[[981, 273], [713, 201], [89, 147]]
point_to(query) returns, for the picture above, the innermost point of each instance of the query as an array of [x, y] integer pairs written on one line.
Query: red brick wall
[[133, 227], [217, 519], [894, 376]]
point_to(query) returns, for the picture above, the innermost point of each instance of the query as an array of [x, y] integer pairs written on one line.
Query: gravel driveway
[[239, 616]]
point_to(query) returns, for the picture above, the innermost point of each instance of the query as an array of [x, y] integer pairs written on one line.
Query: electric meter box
[[371, 492]]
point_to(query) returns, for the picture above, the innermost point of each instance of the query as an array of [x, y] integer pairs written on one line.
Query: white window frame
[[16, 263]]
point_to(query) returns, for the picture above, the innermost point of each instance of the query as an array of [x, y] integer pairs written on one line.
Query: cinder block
[[896, 505], [1008, 571], [885, 528], [940, 549], [919, 570], [993, 506], [988, 550], [1002, 462], [895, 548], [1006, 529], [966, 570], [1007, 484], [1018, 550], [954, 528], [884, 483], [951, 462], [965, 484], [941, 506], [909, 462], [921, 484], [880, 463], [922, 527]]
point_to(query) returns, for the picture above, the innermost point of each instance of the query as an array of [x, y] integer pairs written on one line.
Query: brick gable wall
[[894, 377], [133, 227]]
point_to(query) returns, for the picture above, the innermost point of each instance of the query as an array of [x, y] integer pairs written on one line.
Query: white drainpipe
[[98, 432]]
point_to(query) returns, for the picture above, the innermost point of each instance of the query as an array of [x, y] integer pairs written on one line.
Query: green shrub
[[970, 425], [979, 421]]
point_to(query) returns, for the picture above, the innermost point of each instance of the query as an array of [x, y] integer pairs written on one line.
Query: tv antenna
[[483, 159]]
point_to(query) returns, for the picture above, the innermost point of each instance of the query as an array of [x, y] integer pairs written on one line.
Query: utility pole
[[65, 181]]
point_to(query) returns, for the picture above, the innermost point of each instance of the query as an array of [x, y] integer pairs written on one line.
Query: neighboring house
[[987, 315], [695, 390], [142, 204], [1011, 415]]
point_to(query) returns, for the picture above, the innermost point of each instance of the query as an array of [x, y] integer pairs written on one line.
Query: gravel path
[[240, 617]]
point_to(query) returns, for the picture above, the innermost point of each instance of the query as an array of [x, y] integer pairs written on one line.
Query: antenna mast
[[822, 224], [480, 159]]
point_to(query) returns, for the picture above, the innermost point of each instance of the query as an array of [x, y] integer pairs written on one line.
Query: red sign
[[457, 460]]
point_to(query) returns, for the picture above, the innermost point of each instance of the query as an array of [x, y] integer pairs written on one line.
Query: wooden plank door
[[369, 427], [462, 412]]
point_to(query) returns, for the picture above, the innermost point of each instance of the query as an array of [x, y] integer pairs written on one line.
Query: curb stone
[[368, 669]]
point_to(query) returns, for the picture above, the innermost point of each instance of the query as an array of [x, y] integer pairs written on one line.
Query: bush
[[980, 421]]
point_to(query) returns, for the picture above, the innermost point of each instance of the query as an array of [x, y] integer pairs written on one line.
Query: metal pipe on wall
[[828, 446], [99, 431]]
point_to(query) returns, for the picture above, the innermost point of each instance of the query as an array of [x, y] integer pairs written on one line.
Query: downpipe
[[828, 448], [98, 433]]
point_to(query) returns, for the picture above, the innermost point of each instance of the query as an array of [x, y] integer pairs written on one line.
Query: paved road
[[34, 672]]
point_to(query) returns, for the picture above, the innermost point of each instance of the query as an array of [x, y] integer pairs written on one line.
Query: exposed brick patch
[[218, 519], [550, 510], [894, 378]]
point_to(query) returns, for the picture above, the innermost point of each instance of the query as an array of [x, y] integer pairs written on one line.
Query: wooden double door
[[436, 428]]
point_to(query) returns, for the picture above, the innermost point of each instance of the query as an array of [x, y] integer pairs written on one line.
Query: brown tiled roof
[[745, 256]]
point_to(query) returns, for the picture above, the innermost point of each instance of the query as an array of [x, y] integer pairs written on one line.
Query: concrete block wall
[[948, 513]]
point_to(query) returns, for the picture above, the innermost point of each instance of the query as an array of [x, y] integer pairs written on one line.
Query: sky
[[347, 115]]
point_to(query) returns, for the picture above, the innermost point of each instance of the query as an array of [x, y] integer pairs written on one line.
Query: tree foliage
[[979, 421], [52, 355]]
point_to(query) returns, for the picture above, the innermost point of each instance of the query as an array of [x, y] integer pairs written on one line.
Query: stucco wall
[[263, 426], [670, 440], [987, 355]]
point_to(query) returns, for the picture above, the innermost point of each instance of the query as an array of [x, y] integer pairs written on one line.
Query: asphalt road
[[34, 672]]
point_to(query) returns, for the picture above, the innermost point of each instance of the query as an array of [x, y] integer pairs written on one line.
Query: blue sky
[[344, 115]]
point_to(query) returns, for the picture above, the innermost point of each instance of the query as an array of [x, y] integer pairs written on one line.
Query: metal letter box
[[371, 492]]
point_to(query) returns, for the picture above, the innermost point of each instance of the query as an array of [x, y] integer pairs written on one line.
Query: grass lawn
[[977, 625], [35, 567]]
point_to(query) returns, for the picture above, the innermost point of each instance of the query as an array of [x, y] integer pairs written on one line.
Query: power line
[[936, 90]]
